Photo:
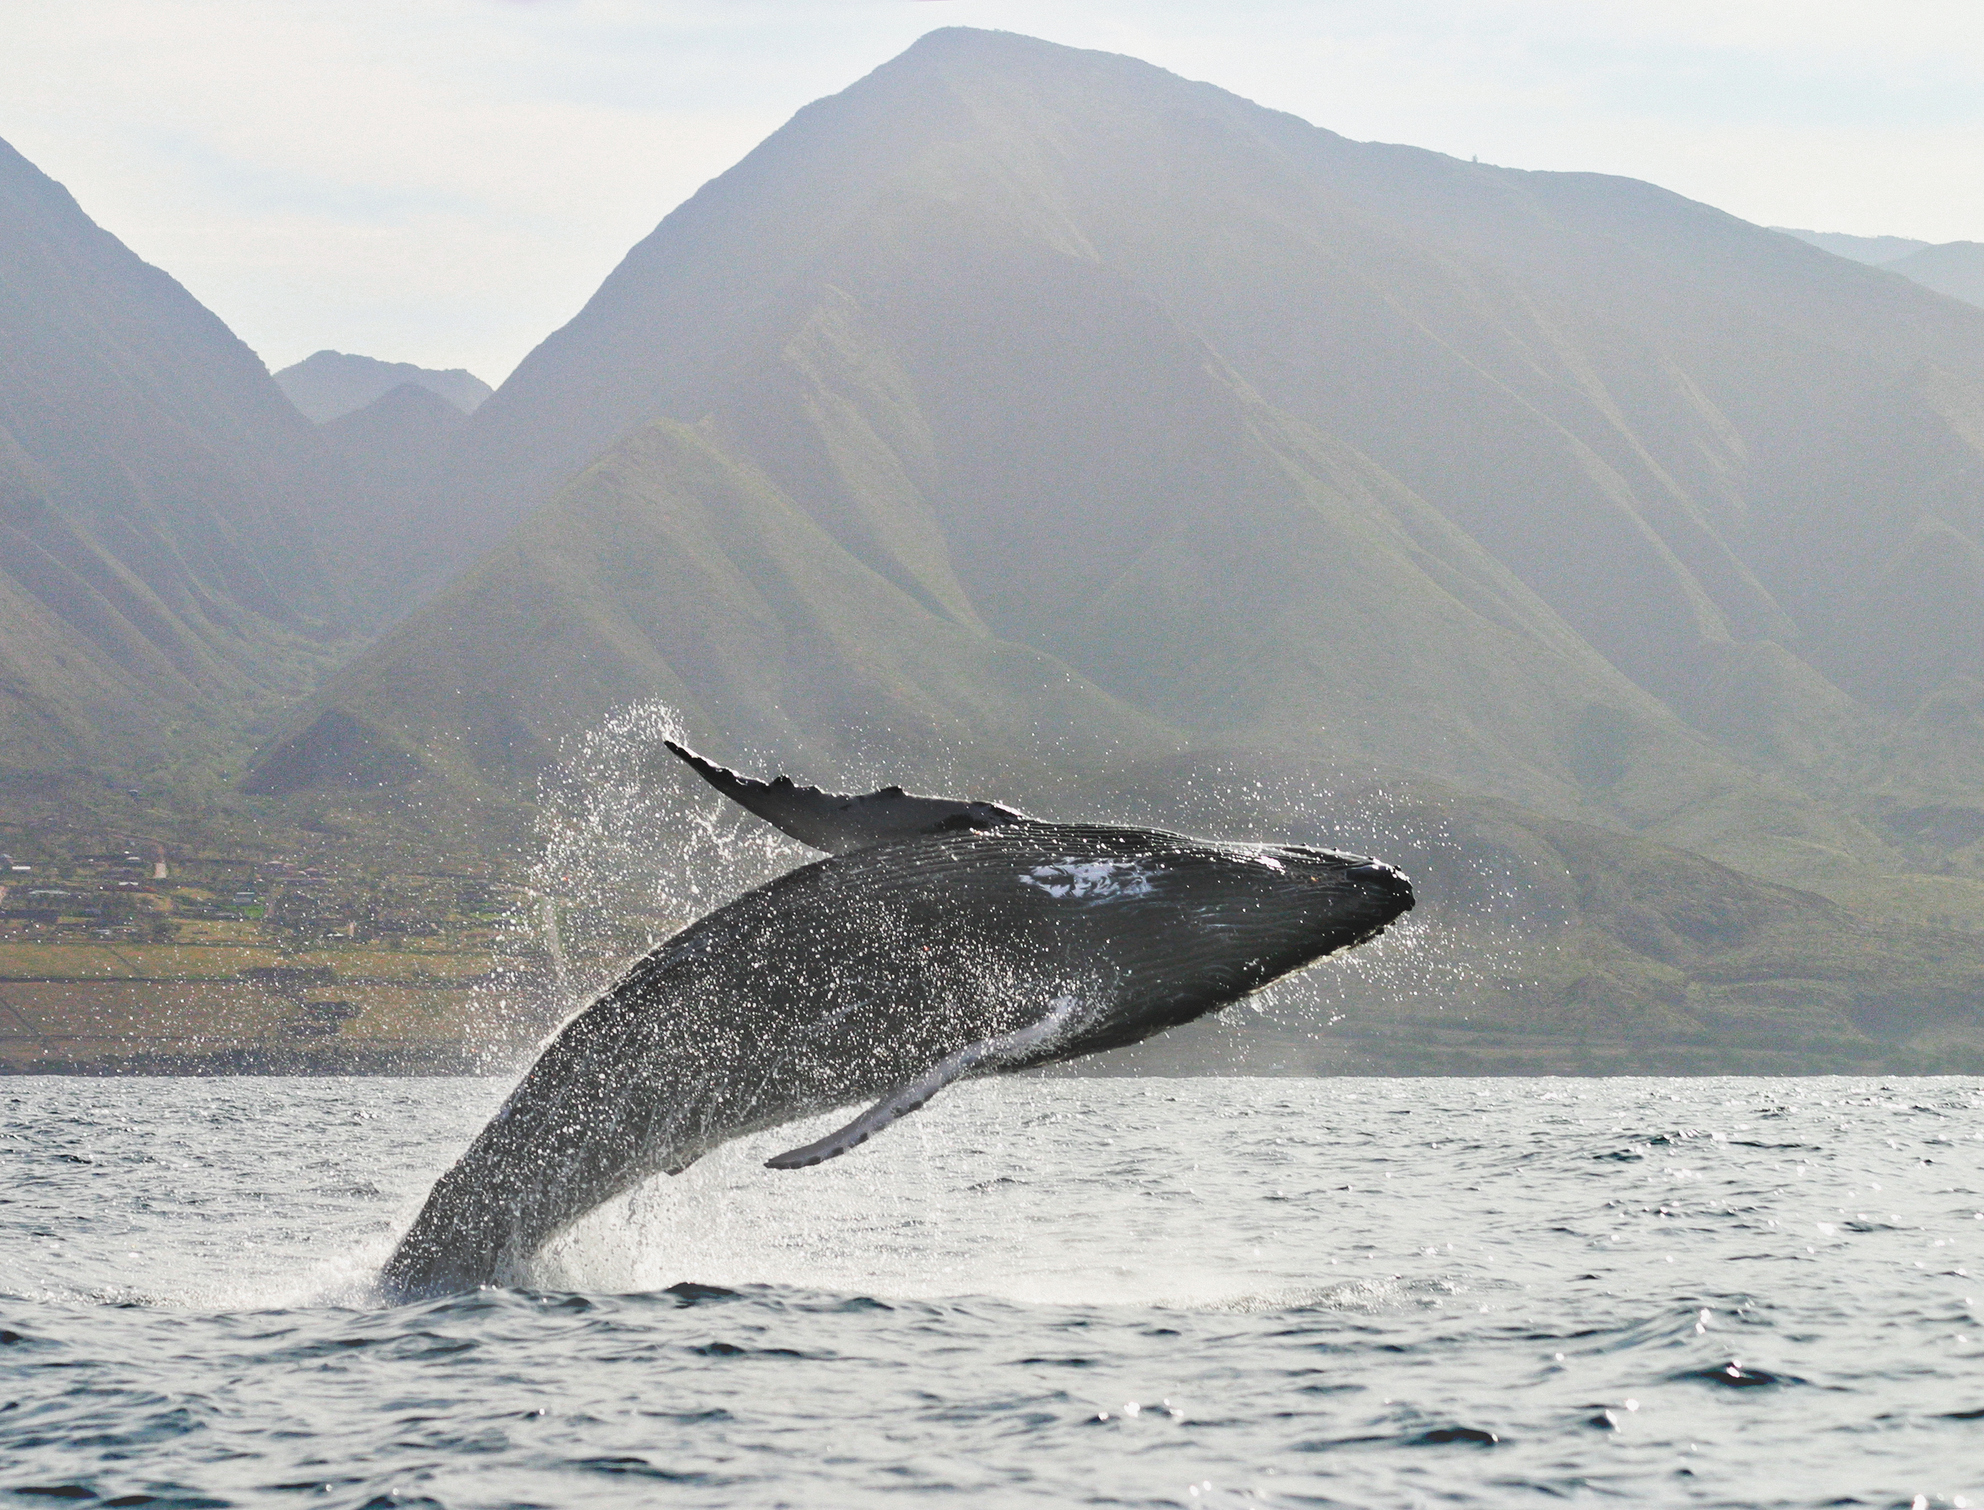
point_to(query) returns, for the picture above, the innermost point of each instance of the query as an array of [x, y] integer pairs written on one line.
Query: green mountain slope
[[169, 546], [1030, 411], [991, 277], [1682, 431], [670, 571]]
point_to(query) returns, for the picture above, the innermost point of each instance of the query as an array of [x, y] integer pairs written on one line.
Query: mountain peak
[[328, 384], [980, 43], [1003, 317]]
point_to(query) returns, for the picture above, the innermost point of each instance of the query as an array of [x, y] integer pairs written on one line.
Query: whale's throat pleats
[[839, 824]]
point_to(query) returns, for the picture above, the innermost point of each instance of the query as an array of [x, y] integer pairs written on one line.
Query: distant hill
[[329, 384], [170, 547], [1955, 268], [1873, 250], [392, 451]]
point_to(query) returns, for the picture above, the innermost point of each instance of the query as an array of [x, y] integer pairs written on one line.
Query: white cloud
[[445, 181]]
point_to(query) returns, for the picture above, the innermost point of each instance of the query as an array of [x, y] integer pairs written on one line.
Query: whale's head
[[1176, 928], [1340, 899], [1252, 913]]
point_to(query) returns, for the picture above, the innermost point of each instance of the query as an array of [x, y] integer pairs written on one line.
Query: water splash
[[632, 848], [1004, 1189]]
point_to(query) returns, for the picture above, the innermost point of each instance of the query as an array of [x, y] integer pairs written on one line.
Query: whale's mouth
[[1367, 872]]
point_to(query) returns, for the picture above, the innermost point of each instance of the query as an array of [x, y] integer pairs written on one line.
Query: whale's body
[[964, 940]]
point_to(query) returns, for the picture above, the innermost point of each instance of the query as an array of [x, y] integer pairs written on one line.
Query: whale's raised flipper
[[840, 824], [912, 1097]]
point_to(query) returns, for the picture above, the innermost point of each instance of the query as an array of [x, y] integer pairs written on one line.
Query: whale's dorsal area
[[841, 824]]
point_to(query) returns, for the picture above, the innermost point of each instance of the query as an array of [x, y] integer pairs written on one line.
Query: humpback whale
[[940, 939]]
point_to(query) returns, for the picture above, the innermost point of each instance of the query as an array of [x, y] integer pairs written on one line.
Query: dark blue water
[[1342, 1292]]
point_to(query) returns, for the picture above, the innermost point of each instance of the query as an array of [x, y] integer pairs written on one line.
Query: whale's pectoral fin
[[839, 824], [891, 1108], [912, 1097]]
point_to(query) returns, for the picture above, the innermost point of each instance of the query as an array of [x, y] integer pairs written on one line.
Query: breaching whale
[[940, 939]]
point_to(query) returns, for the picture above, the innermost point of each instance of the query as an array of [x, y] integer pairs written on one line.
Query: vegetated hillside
[[669, 571], [169, 551], [392, 450], [1025, 410], [1086, 357], [1685, 433], [328, 384]]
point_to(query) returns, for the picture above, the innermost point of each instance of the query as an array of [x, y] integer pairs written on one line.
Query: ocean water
[[1108, 1292]]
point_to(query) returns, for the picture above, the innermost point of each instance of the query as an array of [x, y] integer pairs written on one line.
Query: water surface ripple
[[1153, 1293]]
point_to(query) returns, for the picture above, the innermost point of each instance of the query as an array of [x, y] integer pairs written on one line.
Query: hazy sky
[[445, 181]]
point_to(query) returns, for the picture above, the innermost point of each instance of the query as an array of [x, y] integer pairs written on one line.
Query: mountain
[[391, 451], [1029, 412], [1699, 402], [169, 560], [1873, 250], [1955, 268], [1088, 358], [329, 384]]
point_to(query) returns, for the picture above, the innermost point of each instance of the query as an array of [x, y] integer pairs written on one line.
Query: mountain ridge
[[167, 520], [1693, 444], [1955, 268], [327, 385]]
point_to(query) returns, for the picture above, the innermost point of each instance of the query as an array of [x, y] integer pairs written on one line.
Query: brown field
[[105, 1007]]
